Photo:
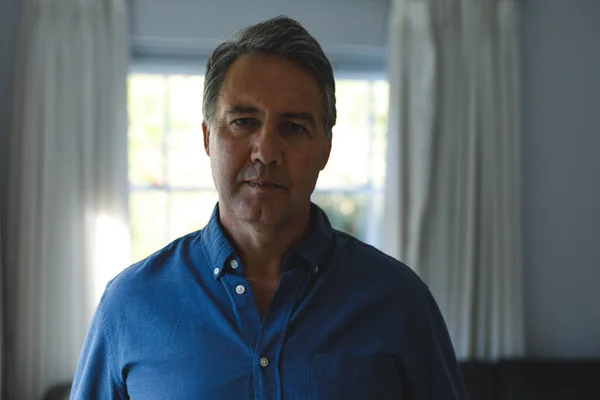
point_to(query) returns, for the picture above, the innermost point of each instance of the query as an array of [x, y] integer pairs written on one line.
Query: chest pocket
[[354, 377]]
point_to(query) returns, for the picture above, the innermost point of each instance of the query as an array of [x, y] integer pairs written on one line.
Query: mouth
[[263, 185]]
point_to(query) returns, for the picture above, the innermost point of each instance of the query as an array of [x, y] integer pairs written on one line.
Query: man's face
[[267, 141]]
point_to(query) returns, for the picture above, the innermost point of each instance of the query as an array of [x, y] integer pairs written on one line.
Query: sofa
[[61, 391], [533, 379]]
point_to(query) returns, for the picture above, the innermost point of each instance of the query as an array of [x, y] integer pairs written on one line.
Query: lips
[[263, 184]]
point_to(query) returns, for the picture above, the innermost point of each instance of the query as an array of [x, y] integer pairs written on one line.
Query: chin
[[264, 211], [263, 208], [263, 214]]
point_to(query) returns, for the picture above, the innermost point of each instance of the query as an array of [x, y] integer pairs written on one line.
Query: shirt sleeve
[[435, 372], [94, 377]]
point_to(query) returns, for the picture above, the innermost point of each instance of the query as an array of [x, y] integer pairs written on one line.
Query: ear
[[206, 134], [327, 152]]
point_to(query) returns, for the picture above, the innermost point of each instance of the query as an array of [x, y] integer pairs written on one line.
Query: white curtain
[[67, 183], [453, 187]]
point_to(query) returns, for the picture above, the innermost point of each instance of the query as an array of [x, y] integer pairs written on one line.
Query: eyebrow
[[305, 116], [302, 116], [242, 110]]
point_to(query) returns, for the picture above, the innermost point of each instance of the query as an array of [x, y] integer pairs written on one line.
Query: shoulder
[[156, 272], [372, 264]]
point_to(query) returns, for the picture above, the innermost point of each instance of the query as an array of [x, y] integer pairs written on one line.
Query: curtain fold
[[67, 174], [453, 164]]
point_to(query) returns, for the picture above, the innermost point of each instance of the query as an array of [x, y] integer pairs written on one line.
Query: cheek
[[228, 160], [307, 168]]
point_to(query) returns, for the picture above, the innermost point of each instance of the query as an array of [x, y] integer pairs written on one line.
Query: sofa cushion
[[549, 380], [58, 392], [480, 379]]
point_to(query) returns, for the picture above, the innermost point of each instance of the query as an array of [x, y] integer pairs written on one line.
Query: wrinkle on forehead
[[273, 84]]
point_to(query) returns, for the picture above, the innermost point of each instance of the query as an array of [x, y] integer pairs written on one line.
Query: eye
[[244, 125], [296, 128], [242, 122]]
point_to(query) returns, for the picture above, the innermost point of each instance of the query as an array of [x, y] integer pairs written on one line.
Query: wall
[[347, 29], [561, 177]]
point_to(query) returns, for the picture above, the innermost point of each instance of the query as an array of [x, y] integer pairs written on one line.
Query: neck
[[263, 247]]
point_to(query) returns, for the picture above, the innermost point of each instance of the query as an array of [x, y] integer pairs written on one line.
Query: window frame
[[196, 66]]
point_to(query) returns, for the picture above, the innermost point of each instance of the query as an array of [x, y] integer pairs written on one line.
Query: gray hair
[[280, 36]]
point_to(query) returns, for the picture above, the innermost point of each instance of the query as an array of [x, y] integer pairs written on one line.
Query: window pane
[[188, 164], [349, 163], [166, 148], [380, 107], [190, 211], [346, 211], [148, 218], [185, 102], [146, 126]]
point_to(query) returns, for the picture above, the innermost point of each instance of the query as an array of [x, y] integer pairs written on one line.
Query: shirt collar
[[215, 244], [312, 249]]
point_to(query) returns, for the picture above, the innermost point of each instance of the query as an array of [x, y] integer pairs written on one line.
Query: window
[[171, 188]]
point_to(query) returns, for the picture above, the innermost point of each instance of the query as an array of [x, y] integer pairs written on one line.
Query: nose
[[266, 146]]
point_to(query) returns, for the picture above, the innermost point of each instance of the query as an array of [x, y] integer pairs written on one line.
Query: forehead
[[271, 82]]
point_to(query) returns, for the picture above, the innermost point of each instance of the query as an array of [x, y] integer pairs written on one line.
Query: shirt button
[[264, 362], [240, 289], [216, 271], [234, 264], [316, 268]]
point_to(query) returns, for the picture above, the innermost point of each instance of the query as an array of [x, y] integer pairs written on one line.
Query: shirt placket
[[265, 338], [268, 350]]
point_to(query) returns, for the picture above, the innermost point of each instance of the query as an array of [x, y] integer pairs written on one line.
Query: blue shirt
[[346, 322]]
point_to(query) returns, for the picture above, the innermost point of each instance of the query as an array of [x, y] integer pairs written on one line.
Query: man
[[268, 301]]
